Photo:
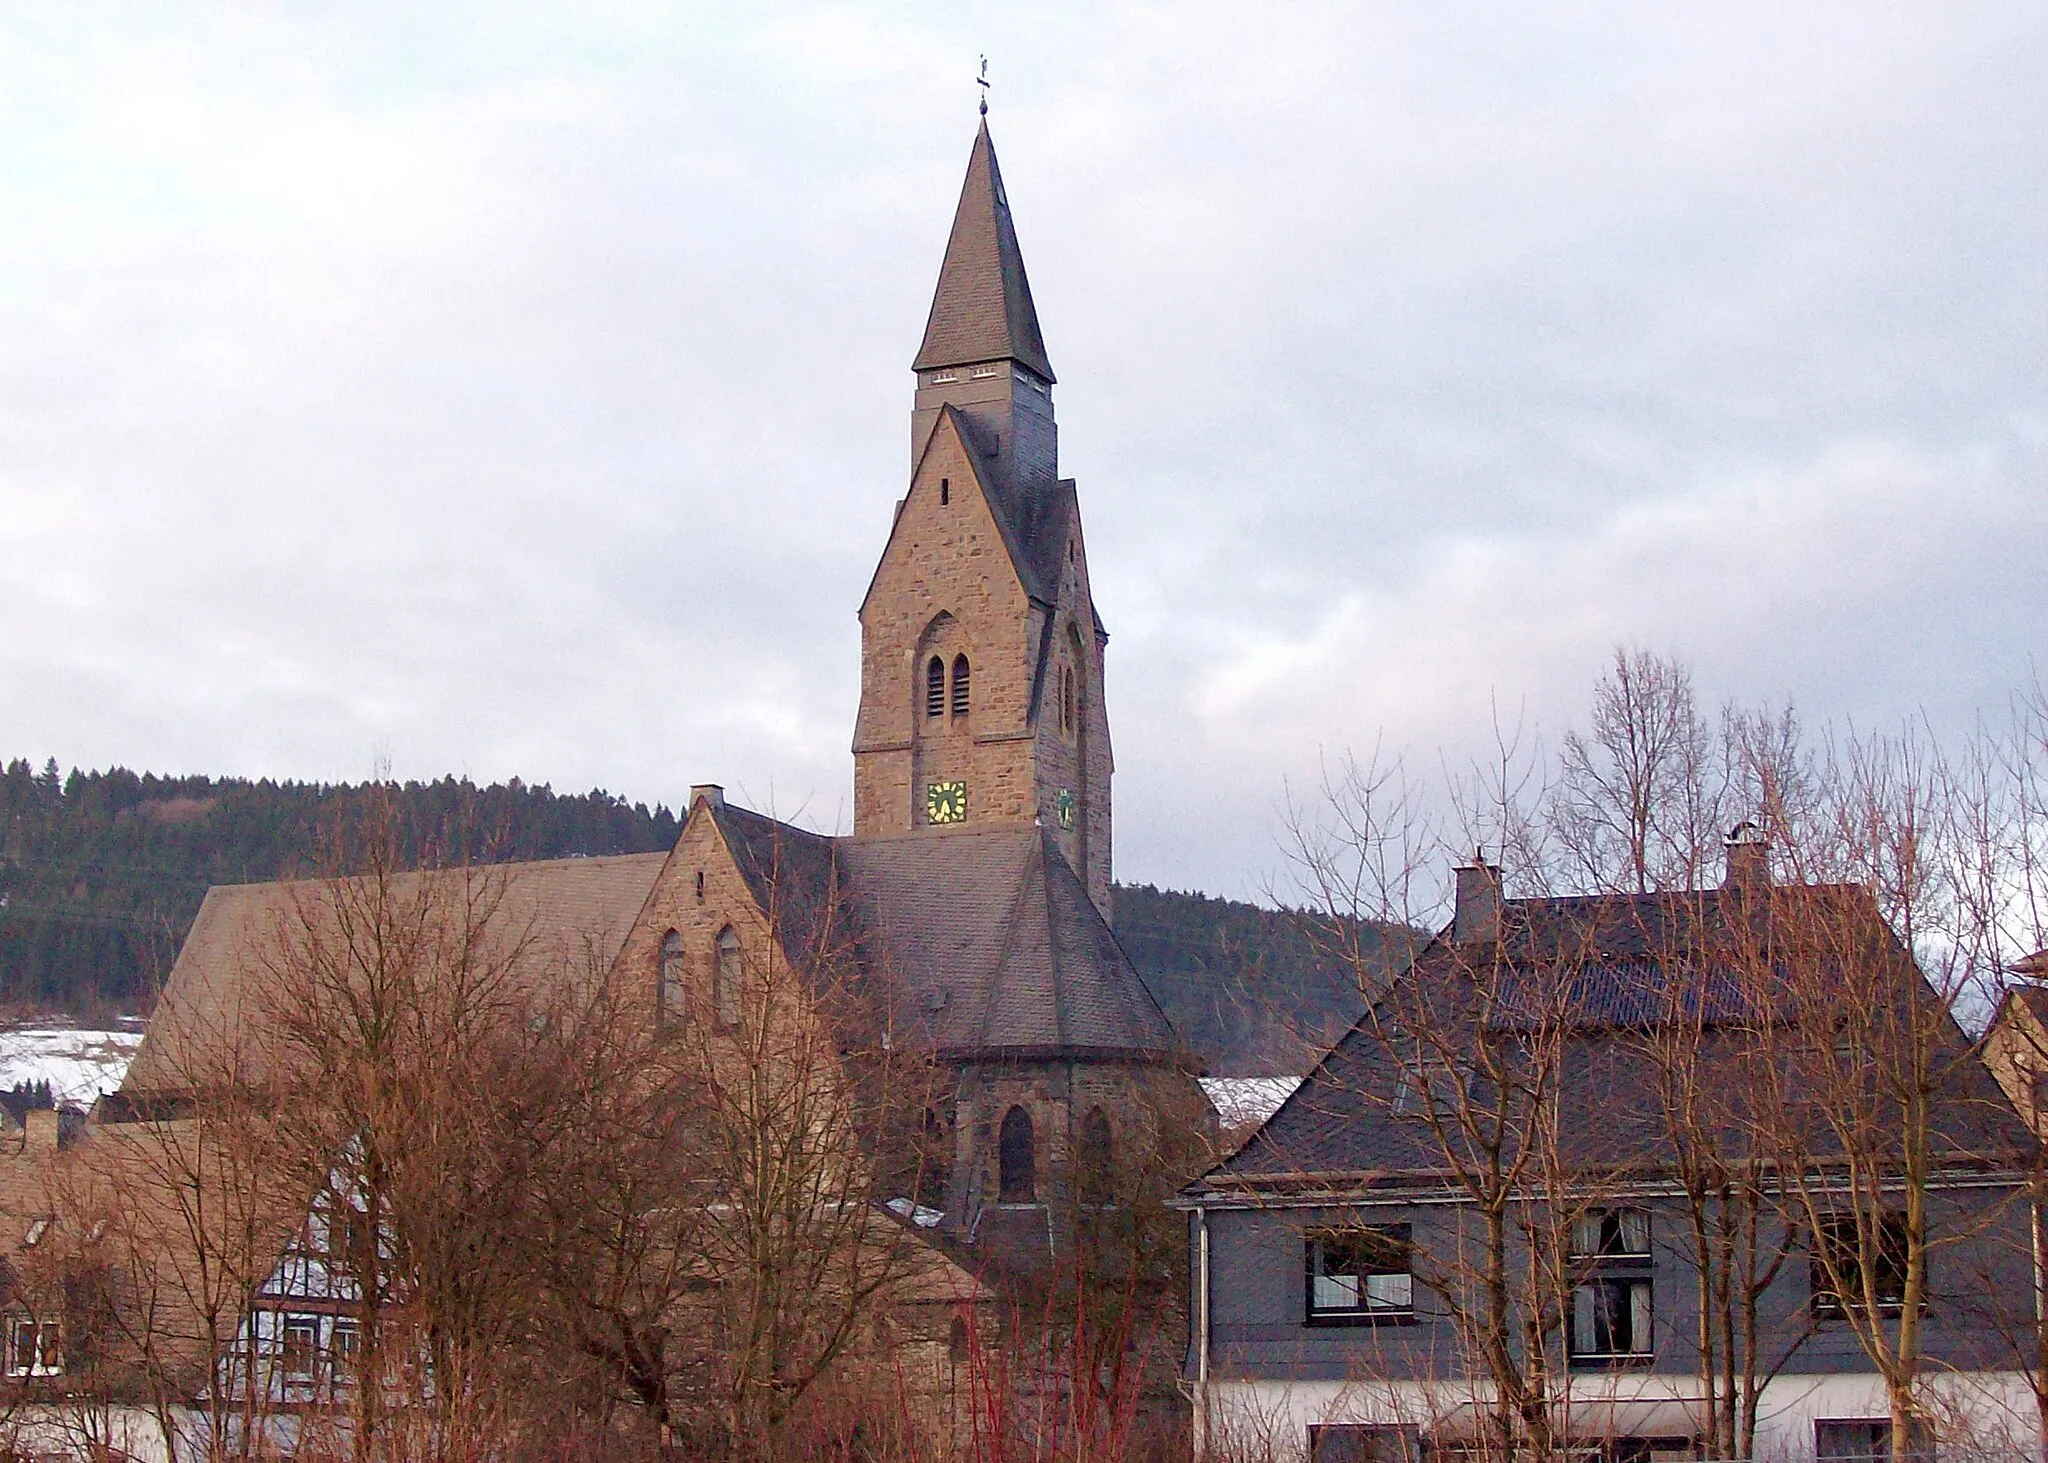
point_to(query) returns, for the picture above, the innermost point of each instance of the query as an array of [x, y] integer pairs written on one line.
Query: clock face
[[945, 802], [1063, 807]]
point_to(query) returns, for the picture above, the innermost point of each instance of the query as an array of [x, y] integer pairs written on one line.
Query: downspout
[[2040, 1315], [1202, 1332]]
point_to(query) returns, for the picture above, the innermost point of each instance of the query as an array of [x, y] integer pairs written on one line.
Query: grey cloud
[[528, 393]]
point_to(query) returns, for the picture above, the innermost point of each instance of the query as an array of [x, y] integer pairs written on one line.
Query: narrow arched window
[[934, 1160], [935, 687], [960, 697], [671, 989], [1016, 1159], [725, 979], [1066, 698], [1094, 1152]]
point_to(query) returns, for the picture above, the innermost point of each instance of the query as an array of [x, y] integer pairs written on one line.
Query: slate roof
[[982, 940], [982, 309], [994, 949], [554, 906], [793, 876], [1601, 971]]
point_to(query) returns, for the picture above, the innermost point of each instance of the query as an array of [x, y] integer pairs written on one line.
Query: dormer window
[[935, 687], [961, 700]]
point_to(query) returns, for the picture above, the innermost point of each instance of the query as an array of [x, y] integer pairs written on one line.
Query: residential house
[[1471, 1230]]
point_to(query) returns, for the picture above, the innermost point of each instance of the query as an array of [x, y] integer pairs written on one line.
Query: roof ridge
[[1011, 921]]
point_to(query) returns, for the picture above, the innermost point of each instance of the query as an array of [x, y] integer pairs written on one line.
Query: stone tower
[[981, 653]]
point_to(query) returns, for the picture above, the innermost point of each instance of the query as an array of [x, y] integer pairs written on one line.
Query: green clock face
[[1063, 808], [945, 802]]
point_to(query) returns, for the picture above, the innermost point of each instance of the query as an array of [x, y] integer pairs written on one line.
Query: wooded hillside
[[102, 872]]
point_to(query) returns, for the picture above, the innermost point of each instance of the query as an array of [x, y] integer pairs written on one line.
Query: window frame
[[1837, 1228], [1005, 1190], [46, 1340], [290, 1323], [1400, 1238], [960, 691], [1621, 1217], [1641, 1314], [671, 978], [1878, 1441], [1611, 1250], [728, 968], [1447, 1090], [339, 1357]]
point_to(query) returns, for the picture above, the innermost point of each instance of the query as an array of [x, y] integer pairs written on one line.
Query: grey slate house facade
[[1471, 1230]]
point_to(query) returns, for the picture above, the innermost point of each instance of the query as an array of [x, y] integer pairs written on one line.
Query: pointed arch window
[[1017, 1159], [725, 980], [1067, 708], [935, 687], [671, 985], [961, 699], [1095, 1152]]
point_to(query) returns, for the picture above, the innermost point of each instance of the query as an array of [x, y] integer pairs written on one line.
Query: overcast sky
[[524, 390]]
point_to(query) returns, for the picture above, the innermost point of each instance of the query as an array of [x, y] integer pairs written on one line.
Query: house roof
[[982, 309], [1605, 978], [558, 913]]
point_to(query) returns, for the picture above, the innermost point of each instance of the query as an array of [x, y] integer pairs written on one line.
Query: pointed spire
[[982, 310]]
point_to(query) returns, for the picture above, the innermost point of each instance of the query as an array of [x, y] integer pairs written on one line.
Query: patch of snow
[[917, 1214], [79, 1065], [1246, 1102]]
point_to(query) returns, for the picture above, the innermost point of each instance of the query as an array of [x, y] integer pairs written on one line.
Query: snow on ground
[[1246, 1102], [78, 1065]]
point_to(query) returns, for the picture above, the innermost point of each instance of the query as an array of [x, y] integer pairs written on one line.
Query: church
[[976, 882], [974, 890]]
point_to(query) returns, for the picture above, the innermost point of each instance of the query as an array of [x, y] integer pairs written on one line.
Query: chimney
[[1477, 915], [1749, 858], [707, 792], [43, 1126]]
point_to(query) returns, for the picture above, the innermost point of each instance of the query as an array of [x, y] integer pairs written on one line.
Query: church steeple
[[982, 350], [982, 309], [981, 653]]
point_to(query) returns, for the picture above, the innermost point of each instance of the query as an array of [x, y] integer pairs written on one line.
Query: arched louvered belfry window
[[935, 687], [725, 979], [960, 696], [1094, 1153], [670, 992], [1017, 1159]]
